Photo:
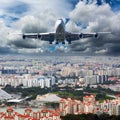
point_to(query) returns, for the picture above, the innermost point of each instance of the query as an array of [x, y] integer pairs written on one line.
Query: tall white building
[[41, 81], [48, 82]]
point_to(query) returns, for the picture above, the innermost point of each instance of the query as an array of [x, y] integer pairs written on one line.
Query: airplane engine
[[50, 42], [69, 42], [63, 42], [39, 36], [56, 42], [96, 35], [81, 35], [23, 36]]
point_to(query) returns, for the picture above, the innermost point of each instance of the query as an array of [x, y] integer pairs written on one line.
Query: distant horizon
[[58, 55]]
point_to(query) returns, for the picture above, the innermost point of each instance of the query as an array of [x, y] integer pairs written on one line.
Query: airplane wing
[[76, 36], [68, 36], [42, 36]]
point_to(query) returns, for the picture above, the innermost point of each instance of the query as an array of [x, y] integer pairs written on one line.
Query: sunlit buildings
[[27, 80], [29, 114], [69, 106], [89, 105]]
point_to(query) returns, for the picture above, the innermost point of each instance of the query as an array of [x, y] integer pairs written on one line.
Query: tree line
[[91, 117]]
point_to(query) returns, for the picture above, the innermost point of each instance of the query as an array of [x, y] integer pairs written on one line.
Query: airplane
[[60, 35]]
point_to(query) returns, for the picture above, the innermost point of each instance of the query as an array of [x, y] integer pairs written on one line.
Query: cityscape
[[94, 82]]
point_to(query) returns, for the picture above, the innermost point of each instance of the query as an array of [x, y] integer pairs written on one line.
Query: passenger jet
[[60, 35]]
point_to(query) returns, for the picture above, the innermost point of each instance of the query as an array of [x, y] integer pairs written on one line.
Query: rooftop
[[4, 95], [48, 98]]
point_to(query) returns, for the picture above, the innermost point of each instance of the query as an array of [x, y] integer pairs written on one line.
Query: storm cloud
[[97, 19]]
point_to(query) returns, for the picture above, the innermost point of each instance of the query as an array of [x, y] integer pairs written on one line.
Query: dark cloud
[[113, 49], [30, 24], [27, 43], [7, 50], [109, 43]]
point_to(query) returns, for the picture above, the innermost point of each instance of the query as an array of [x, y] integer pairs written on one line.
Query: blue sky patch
[[81, 25], [73, 2], [99, 2], [114, 4], [52, 48], [18, 8], [8, 19], [59, 46]]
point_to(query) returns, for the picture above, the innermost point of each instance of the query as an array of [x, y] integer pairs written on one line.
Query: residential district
[[77, 72]]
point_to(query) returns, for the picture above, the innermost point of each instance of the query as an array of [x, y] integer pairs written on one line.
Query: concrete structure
[[48, 98]]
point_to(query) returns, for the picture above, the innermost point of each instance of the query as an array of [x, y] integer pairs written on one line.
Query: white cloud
[[103, 51], [72, 27], [86, 13], [60, 8], [29, 51], [3, 33]]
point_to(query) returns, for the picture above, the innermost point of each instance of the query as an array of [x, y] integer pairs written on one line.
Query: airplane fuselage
[[60, 31]]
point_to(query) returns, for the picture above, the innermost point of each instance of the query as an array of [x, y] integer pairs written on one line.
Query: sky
[[26, 16]]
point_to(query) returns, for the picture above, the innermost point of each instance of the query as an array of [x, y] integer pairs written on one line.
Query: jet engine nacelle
[[96, 35], [39, 36], [81, 35], [51, 41], [23, 36], [69, 42], [31, 36]]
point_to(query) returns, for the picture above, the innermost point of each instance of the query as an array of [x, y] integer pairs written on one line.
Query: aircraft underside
[[60, 35]]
